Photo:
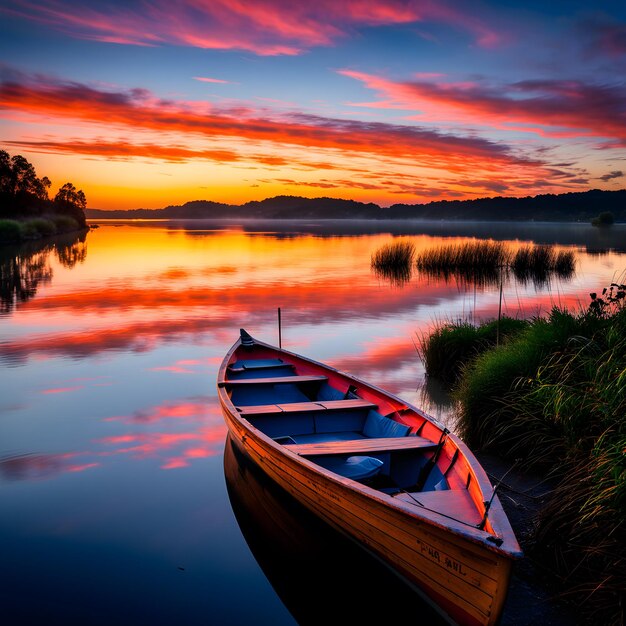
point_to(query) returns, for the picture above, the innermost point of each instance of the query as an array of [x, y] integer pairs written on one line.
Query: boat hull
[[464, 580]]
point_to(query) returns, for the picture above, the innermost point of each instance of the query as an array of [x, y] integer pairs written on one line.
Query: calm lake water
[[120, 499]]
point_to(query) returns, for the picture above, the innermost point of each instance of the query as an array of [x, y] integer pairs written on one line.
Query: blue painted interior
[[354, 467], [338, 421], [267, 394], [328, 461], [400, 467], [277, 426], [273, 372], [322, 437], [376, 425], [326, 392], [256, 363]]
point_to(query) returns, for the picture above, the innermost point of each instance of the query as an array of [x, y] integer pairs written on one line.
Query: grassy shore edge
[[552, 399], [14, 231]]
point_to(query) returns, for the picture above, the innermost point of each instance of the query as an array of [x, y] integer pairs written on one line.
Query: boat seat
[[259, 364], [355, 467], [377, 425], [305, 407], [455, 503], [365, 445], [310, 438], [272, 381]]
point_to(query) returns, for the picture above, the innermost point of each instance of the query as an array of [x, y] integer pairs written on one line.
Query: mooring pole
[[280, 337], [499, 311]]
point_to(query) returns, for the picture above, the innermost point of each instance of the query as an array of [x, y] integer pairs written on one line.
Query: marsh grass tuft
[[487, 262], [479, 262], [394, 261], [536, 263], [452, 345]]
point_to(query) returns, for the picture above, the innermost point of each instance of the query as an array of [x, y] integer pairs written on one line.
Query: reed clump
[[477, 255], [554, 396], [538, 262], [394, 261], [452, 345], [486, 262]]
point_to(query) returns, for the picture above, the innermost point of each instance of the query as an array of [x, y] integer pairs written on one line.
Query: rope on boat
[[488, 503], [454, 519]]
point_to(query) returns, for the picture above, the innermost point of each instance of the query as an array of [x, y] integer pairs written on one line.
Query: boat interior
[[360, 434]]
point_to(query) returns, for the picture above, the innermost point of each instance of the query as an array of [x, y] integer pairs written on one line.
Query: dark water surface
[[118, 504]]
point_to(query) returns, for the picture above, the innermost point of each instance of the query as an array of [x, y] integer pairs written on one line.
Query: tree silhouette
[[68, 194], [24, 194]]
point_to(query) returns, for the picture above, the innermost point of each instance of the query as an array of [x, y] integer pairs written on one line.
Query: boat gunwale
[[498, 519]]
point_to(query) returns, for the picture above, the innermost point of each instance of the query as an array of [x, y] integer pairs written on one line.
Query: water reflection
[[396, 276], [111, 399], [24, 268], [565, 234], [40, 466], [321, 577]]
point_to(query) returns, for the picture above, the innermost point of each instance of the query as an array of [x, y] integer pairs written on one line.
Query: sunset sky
[[150, 103]]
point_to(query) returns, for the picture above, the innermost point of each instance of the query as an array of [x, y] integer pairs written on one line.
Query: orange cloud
[[138, 110], [123, 150]]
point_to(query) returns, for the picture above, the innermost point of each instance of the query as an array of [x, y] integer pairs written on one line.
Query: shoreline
[[530, 599], [15, 232]]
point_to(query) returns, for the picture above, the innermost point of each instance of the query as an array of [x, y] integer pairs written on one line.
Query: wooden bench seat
[[306, 407], [354, 446], [272, 381]]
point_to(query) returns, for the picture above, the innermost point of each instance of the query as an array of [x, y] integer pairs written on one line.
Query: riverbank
[[532, 597], [14, 231]]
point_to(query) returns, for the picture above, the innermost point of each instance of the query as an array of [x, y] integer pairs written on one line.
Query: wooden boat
[[376, 468], [303, 557]]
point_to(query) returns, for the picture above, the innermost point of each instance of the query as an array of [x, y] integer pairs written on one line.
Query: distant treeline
[[23, 195], [568, 207]]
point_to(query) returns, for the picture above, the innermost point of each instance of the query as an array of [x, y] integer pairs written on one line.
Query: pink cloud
[[264, 27], [205, 79], [564, 108]]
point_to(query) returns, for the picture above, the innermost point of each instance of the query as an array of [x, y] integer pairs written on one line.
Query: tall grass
[[474, 254], [537, 263], [394, 261], [451, 346], [487, 262], [555, 396]]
